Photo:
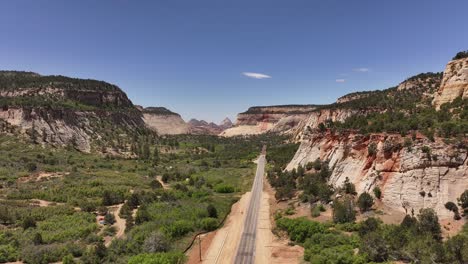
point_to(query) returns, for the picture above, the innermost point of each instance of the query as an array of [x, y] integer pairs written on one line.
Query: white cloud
[[256, 75], [340, 80], [361, 69]]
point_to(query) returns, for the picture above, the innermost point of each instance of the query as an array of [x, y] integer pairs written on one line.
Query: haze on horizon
[[209, 60]]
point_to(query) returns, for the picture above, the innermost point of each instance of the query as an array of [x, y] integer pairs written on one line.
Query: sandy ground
[[451, 227], [44, 203], [36, 177]]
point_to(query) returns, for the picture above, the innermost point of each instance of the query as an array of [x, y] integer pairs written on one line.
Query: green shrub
[[179, 228], [377, 192], [209, 224], [365, 202], [299, 229], [224, 188], [212, 212], [372, 149], [343, 211]]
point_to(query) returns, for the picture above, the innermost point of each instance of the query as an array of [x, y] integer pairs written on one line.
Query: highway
[[246, 249]]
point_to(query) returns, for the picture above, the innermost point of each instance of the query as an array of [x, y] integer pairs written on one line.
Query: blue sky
[[190, 56]]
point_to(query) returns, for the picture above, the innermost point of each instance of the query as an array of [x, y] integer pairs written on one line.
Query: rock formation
[[65, 111], [260, 119], [164, 121], [423, 174], [454, 83], [200, 127]]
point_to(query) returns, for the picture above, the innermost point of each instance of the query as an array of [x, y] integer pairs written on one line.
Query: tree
[[209, 224], [129, 223], [371, 224], [109, 218], [377, 192], [37, 239], [28, 222], [365, 202], [107, 198], [372, 149], [343, 211], [429, 223], [212, 212], [348, 187], [68, 259], [322, 128], [457, 249], [463, 202], [156, 242], [156, 155], [142, 215]]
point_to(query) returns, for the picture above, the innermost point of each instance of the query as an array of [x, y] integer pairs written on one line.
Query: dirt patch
[[41, 176], [44, 203], [194, 252], [451, 227]]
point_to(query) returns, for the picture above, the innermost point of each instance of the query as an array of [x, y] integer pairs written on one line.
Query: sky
[[213, 59]]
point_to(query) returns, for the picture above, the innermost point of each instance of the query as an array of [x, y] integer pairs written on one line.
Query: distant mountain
[[226, 123], [203, 127]]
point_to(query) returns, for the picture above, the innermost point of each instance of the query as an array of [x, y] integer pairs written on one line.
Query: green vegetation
[[461, 55], [205, 174], [415, 240], [404, 111]]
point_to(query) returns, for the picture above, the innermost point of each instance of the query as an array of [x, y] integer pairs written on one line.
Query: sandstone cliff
[[164, 121], [423, 174], [261, 119], [62, 111], [454, 82]]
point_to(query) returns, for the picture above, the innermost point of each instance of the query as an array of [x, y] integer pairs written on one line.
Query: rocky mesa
[[261, 119], [164, 121]]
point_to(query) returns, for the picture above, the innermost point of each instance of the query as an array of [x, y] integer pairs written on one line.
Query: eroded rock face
[[409, 177], [262, 119], [454, 82], [64, 111], [163, 121]]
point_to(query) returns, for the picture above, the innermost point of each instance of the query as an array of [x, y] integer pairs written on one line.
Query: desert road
[[246, 249]]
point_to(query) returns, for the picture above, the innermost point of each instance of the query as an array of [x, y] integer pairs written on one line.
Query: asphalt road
[[246, 249]]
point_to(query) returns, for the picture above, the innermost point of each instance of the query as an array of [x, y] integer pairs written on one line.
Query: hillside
[[396, 140], [84, 114]]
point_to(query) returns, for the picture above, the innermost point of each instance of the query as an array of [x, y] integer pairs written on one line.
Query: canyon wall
[[423, 174]]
